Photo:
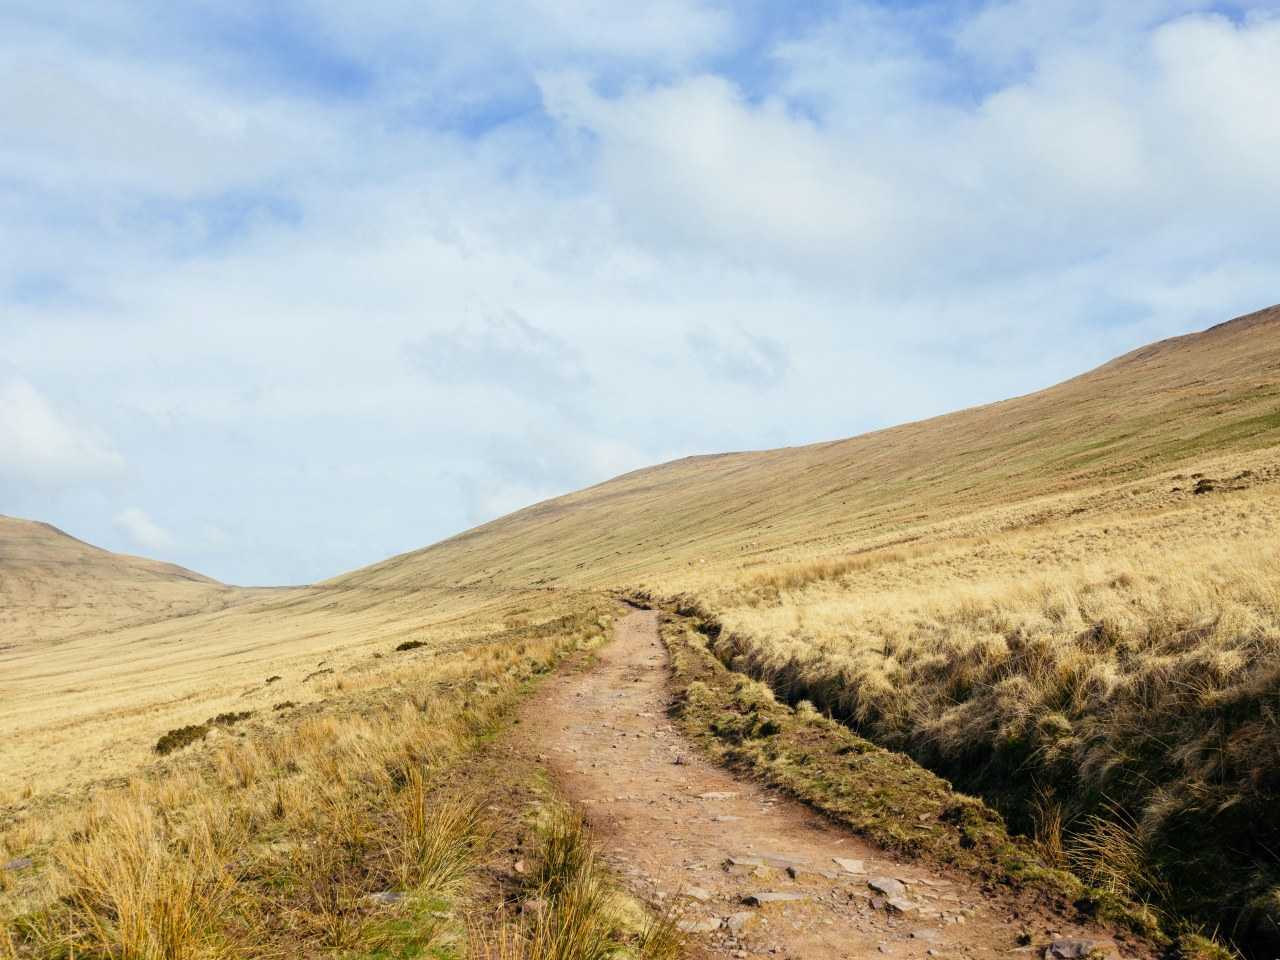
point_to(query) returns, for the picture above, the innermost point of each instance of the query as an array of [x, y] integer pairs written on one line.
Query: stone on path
[[697, 893], [760, 899], [1077, 948], [901, 905], [716, 795], [927, 934], [737, 922], [849, 866], [887, 885]]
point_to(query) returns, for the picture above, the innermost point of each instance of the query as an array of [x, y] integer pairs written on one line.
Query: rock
[[534, 906], [782, 861], [1077, 948], [900, 905], [737, 922], [849, 866], [697, 893], [760, 899], [716, 795], [518, 866], [795, 871], [725, 819], [386, 898], [928, 934], [18, 863], [709, 925], [888, 886], [742, 864]]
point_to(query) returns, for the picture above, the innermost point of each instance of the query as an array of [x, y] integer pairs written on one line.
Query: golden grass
[[287, 837], [1031, 596], [571, 910], [1119, 703]]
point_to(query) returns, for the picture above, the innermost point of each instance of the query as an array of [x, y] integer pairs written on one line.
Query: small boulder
[[763, 898], [737, 922], [1078, 948], [888, 886]]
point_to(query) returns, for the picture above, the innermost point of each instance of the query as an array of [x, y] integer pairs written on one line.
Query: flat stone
[[782, 861], [386, 898], [927, 934], [796, 871], [18, 863], [737, 922], [709, 925], [725, 818], [849, 866], [888, 886], [760, 899], [697, 893], [1077, 948], [716, 795], [900, 904]]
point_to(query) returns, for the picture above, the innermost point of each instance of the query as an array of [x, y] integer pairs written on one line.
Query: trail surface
[[681, 830]]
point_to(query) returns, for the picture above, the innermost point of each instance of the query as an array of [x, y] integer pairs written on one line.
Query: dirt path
[[676, 826]]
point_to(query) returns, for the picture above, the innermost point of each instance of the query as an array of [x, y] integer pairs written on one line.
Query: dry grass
[[341, 831], [571, 910], [1029, 596], [1123, 709]]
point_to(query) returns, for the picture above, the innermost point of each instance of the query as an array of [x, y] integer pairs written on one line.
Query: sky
[[288, 288]]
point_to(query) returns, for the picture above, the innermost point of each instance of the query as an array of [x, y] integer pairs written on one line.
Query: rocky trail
[[750, 872]]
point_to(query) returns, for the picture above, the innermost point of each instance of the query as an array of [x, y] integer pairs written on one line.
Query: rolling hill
[[1068, 602]]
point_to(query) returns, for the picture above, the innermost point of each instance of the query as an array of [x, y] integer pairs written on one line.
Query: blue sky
[[288, 288]]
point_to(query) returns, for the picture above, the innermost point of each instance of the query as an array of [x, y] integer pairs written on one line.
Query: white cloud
[[876, 217], [142, 530], [40, 445]]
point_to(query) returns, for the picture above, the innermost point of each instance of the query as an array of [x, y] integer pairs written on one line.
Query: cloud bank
[[323, 283]]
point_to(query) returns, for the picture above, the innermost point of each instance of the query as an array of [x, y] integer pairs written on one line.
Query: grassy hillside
[[53, 586], [1191, 400], [1067, 601]]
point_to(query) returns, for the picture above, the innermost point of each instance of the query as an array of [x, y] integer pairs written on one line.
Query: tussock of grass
[[571, 910]]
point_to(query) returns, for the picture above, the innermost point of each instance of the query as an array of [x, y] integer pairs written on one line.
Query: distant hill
[[53, 586]]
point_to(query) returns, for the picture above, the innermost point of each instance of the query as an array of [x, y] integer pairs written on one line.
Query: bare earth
[[669, 822]]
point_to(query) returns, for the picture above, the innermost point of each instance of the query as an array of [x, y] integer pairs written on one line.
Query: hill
[[1067, 602], [1188, 400], [53, 586]]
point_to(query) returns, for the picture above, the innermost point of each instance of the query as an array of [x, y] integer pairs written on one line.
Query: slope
[[53, 586], [1192, 398]]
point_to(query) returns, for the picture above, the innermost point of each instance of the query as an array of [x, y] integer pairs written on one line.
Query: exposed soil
[[672, 825]]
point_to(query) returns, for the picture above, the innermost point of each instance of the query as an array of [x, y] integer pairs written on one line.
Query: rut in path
[[670, 822]]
